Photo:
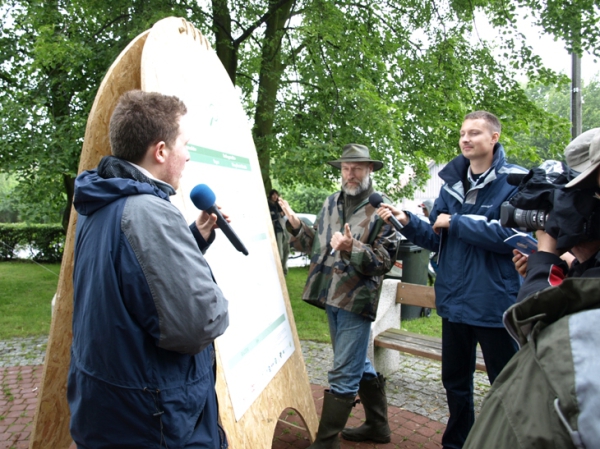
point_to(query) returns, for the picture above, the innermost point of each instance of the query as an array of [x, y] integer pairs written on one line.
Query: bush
[[46, 241]]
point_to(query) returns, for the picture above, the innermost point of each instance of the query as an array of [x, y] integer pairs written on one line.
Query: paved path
[[417, 406]]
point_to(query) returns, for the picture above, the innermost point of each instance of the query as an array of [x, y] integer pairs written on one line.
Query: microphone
[[375, 199], [204, 199]]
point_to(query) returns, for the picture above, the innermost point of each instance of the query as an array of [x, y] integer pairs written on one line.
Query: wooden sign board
[[261, 371]]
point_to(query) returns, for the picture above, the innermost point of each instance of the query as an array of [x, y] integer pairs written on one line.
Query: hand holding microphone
[[206, 222], [386, 212], [204, 199]]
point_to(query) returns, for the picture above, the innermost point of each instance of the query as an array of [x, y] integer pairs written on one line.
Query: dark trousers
[[459, 342]]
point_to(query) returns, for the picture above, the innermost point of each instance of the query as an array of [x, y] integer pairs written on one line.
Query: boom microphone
[[204, 199], [375, 199]]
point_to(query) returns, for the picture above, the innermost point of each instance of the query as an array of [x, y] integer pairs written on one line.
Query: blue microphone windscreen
[[203, 197]]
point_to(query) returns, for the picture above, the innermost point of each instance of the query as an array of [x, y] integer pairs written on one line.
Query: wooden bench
[[411, 343]]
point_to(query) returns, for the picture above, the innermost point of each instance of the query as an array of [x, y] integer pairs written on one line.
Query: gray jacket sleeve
[[191, 308]]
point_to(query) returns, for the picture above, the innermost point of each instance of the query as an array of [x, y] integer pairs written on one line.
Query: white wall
[[430, 191]]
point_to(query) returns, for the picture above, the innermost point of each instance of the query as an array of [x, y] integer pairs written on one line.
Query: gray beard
[[363, 187]]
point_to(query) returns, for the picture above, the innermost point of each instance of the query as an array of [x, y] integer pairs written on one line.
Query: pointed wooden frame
[[290, 388]]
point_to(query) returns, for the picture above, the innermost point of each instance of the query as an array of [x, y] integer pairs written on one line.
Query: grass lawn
[[26, 290], [311, 321]]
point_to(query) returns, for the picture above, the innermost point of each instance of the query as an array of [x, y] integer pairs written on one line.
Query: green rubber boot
[[336, 409], [376, 427]]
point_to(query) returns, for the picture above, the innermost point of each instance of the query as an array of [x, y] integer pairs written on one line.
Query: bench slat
[[420, 345]]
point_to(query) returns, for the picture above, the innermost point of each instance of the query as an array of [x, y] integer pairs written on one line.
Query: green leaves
[[313, 75]]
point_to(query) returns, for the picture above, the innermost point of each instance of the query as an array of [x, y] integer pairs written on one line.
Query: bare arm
[[289, 213]]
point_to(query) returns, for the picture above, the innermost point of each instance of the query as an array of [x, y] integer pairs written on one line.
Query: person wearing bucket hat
[[475, 282], [356, 153], [577, 153], [577, 157], [350, 248], [588, 176], [549, 393]]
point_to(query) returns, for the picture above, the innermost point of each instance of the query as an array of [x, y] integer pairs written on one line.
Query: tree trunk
[[270, 76], [226, 48]]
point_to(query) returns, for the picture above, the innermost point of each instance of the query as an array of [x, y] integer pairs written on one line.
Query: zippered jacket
[[146, 313], [348, 280], [476, 279], [548, 395]]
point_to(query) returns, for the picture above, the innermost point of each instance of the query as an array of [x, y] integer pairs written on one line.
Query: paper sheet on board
[[259, 338]]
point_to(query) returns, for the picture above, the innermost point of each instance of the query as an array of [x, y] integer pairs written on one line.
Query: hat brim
[[377, 165], [584, 178]]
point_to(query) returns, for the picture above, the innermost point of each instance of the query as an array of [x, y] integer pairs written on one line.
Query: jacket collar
[[114, 167], [456, 170]]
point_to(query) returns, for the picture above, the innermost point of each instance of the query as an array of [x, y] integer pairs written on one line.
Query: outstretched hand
[[289, 213], [342, 242], [386, 211]]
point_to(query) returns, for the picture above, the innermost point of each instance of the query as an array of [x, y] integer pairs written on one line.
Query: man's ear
[[159, 152], [495, 137]]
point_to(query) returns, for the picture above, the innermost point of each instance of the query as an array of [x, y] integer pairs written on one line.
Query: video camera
[[542, 202], [530, 220]]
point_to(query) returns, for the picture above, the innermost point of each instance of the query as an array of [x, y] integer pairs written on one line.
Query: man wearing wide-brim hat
[[356, 153], [351, 249]]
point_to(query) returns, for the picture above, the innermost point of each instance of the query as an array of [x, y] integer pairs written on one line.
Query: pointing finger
[[347, 232]]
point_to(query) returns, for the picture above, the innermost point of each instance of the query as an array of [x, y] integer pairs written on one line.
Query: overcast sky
[[552, 52]]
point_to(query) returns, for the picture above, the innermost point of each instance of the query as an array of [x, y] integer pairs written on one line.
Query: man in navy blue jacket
[[476, 280], [146, 306]]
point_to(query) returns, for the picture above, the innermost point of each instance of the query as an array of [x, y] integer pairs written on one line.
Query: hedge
[[46, 241]]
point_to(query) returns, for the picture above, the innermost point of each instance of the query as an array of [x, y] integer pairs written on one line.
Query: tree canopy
[[556, 100], [313, 75]]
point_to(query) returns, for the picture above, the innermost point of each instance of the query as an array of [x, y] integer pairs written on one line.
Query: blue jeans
[[459, 342], [350, 339]]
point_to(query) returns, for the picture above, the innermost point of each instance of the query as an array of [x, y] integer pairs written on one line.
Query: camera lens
[[531, 219]]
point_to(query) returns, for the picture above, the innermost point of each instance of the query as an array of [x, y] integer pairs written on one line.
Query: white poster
[[259, 339]]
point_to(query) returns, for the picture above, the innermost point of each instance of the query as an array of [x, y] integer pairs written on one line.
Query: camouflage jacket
[[348, 280]]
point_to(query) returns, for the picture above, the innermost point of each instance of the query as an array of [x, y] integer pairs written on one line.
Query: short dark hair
[[142, 119], [272, 192], [492, 121]]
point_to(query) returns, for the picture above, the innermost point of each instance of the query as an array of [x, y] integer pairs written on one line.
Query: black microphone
[[375, 199], [204, 199]]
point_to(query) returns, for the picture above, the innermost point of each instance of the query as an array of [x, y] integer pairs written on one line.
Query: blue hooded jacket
[[476, 279], [146, 313]]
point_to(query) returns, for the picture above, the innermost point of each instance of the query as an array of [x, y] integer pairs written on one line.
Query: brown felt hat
[[354, 152]]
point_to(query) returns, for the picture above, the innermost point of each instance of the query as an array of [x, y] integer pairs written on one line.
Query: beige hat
[[585, 179], [577, 152], [354, 152]]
